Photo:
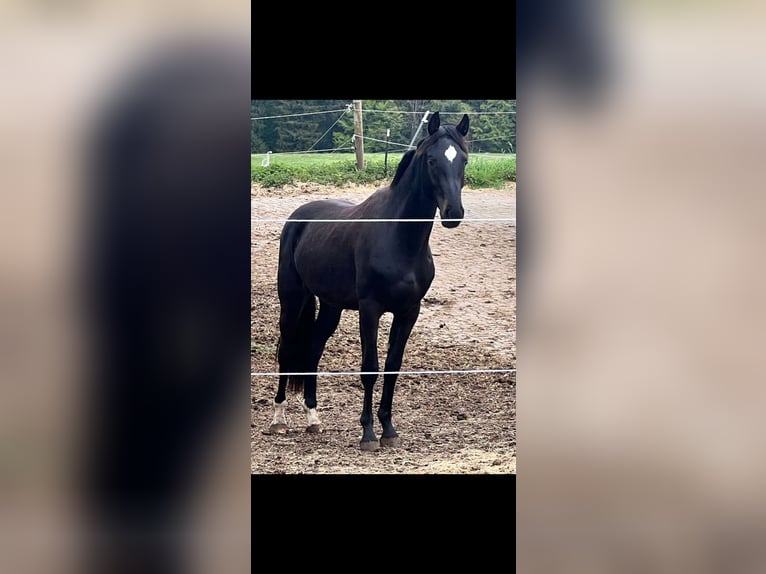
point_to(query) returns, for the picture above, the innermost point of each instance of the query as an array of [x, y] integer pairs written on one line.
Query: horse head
[[446, 157]]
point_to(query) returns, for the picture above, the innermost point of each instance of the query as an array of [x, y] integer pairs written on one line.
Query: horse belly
[[330, 277], [344, 297]]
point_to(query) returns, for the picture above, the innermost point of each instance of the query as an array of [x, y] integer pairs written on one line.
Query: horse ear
[[433, 123], [462, 127]]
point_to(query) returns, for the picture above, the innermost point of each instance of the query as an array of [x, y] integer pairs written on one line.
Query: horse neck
[[413, 199]]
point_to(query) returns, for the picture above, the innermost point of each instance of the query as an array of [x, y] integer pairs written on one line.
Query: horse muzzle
[[451, 213]]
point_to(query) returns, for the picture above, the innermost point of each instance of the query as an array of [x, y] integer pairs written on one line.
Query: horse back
[[293, 231], [319, 255]]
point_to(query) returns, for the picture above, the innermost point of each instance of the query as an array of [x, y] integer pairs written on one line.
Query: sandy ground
[[449, 423]]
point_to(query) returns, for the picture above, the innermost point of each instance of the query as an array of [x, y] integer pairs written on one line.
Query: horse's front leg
[[401, 327], [369, 318]]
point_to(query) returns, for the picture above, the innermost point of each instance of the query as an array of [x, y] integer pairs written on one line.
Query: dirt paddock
[[448, 423]]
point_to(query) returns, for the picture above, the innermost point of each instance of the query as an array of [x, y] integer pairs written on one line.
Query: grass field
[[484, 170]]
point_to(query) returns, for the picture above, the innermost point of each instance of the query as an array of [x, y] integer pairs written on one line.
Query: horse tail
[[294, 383], [301, 357], [298, 312]]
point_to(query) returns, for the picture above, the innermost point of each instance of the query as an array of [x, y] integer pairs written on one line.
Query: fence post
[[385, 158], [358, 137]]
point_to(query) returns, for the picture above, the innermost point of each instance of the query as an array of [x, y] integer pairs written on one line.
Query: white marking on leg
[[311, 415], [279, 413], [450, 153]]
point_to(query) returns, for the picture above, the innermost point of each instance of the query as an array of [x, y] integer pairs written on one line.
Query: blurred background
[[640, 426], [124, 287], [640, 370]]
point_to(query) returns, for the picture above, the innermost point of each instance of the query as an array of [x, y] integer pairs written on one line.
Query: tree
[[489, 133], [294, 132], [495, 132]]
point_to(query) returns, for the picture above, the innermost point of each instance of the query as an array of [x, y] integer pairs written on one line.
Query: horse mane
[[403, 165]]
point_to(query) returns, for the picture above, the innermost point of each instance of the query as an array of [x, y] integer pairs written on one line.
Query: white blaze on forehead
[[279, 413], [311, 415], [450, 153]]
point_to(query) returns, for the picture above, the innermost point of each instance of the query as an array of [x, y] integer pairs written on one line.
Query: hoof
[[314, 429], [369, 445], [278, 429], [390, 441]]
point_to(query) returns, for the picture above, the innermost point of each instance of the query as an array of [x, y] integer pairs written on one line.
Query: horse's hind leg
[[326, 323], [293, 354], [401, 327], [279, 422]]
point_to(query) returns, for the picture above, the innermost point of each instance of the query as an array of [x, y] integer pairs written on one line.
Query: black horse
[[375, 267]]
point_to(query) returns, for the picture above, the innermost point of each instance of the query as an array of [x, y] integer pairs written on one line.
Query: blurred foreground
[[639, 385], [124, 290], [641, 309]]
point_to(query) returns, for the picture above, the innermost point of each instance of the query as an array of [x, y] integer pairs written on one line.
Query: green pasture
[[483, 170]]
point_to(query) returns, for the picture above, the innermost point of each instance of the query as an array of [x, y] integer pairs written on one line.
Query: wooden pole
[[385, 160], [358, 135]]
